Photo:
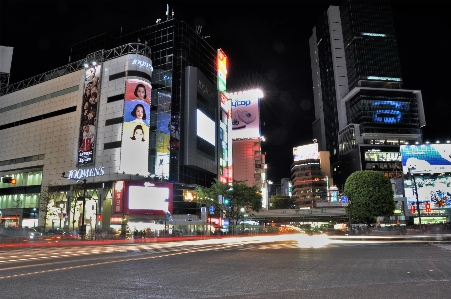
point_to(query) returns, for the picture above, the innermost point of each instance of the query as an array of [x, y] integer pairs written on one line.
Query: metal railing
[[102, 55]]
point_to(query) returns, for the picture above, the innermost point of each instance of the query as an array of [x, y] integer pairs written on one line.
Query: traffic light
[[428, 207], [412, 209], [226, 201], [9, 180]]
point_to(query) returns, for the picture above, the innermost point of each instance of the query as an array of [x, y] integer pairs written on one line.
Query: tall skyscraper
[[362, 113], [184, 89]]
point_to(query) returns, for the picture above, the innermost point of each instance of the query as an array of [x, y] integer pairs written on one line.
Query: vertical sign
[[135, 132], [222, 70], [118, 197], [89, 110]]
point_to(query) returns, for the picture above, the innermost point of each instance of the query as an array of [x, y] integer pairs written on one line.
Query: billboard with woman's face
[[135, 129], [88, 125]]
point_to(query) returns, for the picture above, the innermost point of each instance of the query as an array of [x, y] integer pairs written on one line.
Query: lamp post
[[411, 176], [242, 223], [61, 211]]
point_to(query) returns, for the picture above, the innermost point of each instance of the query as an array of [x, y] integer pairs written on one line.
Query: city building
[[362, 113], [131, 117], [285, 186], [311, 178], [248, 160]]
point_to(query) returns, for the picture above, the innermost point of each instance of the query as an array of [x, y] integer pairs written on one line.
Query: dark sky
[[266, 44]]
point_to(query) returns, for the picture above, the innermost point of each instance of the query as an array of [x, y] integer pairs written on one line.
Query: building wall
[[247, 160], [53, 135]]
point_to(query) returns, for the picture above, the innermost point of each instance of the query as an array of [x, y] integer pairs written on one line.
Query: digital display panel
[[426, 158], [135, 130], [432, 189], [304, 152], [389, 111], [206, 128], [222, 70], [245, 114], [89, 110], [148, 198]]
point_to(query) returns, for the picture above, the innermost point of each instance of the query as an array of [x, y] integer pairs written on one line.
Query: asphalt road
[[255, 267]]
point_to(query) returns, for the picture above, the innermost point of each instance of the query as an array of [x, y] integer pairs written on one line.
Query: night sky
[[266, 44]]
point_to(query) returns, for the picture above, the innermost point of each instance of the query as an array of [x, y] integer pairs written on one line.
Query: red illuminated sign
[[118, 196], [116, 220]]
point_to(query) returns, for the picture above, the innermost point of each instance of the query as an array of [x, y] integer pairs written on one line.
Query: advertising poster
[[89, 110], [245, 115], [148, 198], [167, 131], [304, 152], [135, 130], [426, 158]]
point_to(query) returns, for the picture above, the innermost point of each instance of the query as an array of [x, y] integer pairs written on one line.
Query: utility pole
[[416, 195]]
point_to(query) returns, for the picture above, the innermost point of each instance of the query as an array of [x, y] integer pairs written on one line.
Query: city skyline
[[266, 45]]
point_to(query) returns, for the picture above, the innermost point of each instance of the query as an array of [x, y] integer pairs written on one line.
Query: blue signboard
[[344, 199]]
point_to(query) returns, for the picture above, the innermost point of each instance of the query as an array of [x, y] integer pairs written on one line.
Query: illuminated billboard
[[245, 114], [432, 189], [148, 198], [222, 70], [304, 152], [426, 158], [89, 110], [166, 136], [135, 130], [206, 128]]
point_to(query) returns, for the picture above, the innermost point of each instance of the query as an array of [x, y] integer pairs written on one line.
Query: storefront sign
[[118, 196], [116, 220], [78, 174]]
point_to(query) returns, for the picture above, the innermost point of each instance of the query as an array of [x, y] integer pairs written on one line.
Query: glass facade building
[[174, 47], [358, 95]]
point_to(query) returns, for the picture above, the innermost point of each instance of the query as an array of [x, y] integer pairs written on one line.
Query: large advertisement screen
[[245, 114], [206, 128], [135, 131], [426, 158], [304, 152], [148, 198], [167, 135], [432, 189], [88, 128]]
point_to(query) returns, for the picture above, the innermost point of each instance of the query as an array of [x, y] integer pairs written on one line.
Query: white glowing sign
[[78, 174]]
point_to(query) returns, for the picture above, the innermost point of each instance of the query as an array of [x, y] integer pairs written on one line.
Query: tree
[[47, 202], [234, 198], [280, 201], [371, 195]]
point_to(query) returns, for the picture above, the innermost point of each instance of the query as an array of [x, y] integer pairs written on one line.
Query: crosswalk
[[43, 253]]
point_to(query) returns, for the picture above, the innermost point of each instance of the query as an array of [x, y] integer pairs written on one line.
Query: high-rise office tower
[[184, 90], [362, 113]]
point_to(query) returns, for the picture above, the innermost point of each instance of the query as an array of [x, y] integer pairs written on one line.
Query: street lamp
[[242, 223], [412, 177], [61, 204]]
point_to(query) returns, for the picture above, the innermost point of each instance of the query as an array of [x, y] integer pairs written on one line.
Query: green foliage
[[371, 195], [239, 194], [280, 201], [47, 202]]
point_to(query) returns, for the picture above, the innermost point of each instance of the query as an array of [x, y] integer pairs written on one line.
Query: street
[[289, 266]]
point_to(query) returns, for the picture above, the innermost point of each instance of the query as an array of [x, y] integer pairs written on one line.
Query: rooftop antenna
[[198, 29]]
